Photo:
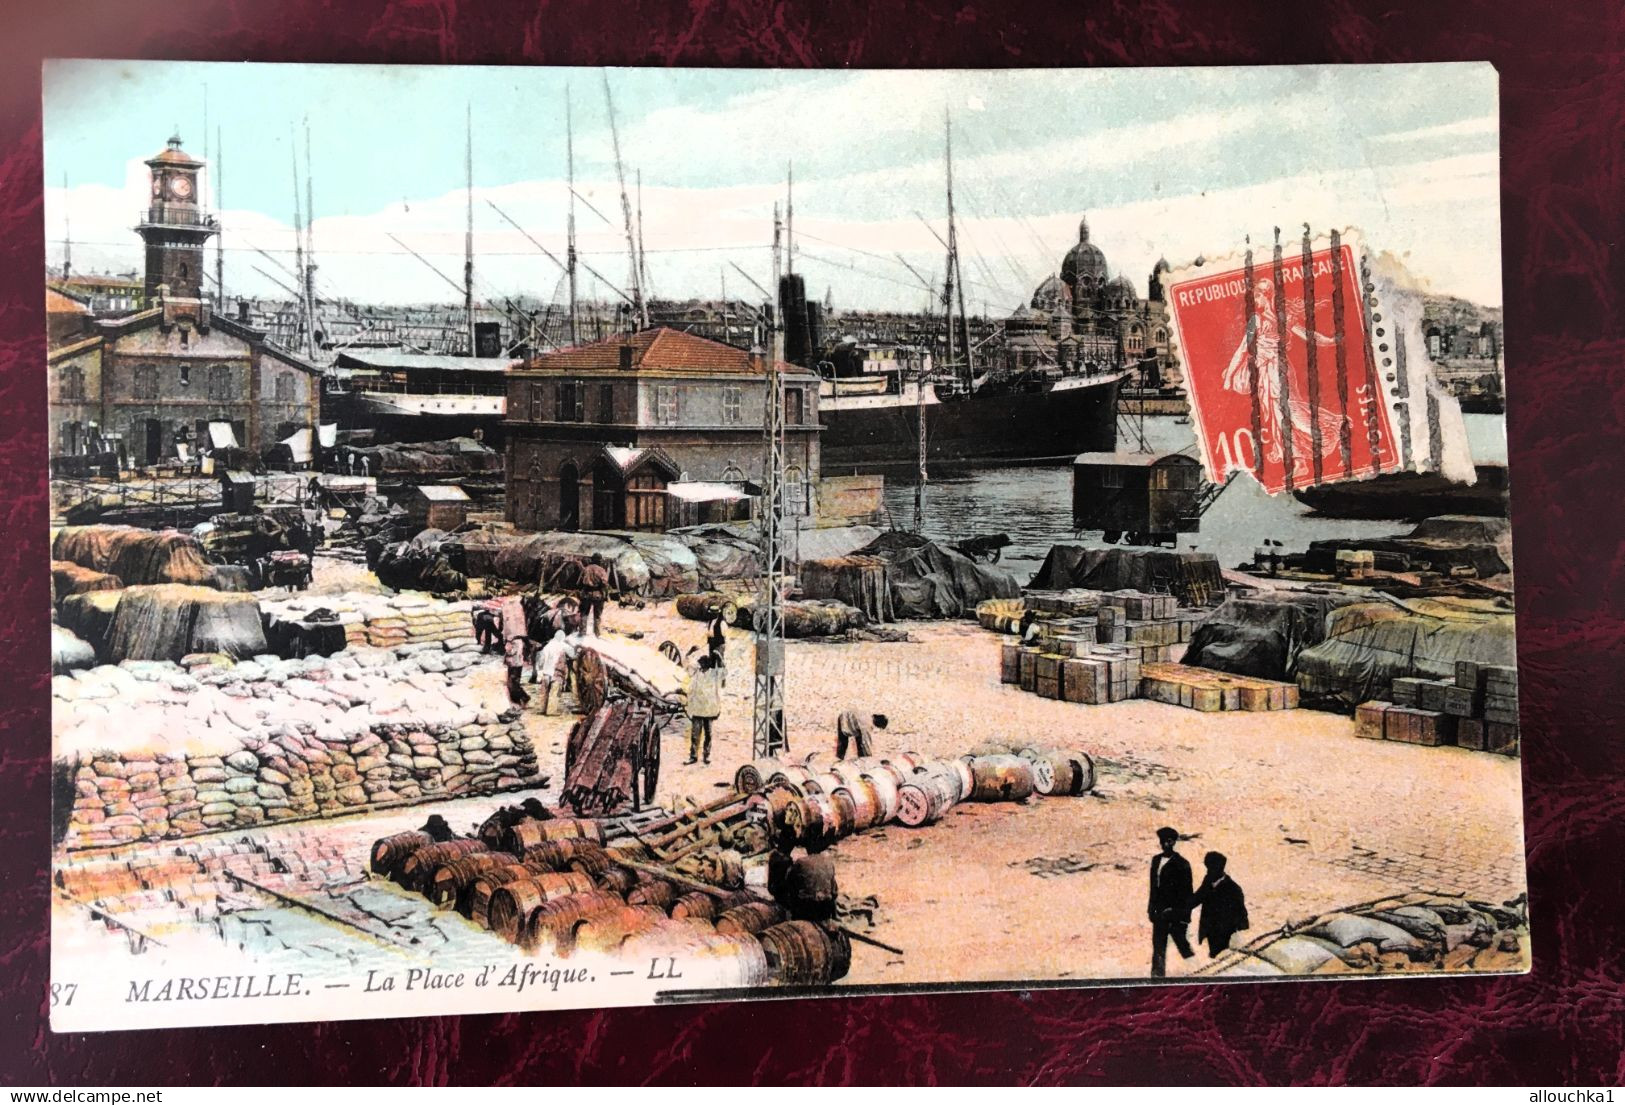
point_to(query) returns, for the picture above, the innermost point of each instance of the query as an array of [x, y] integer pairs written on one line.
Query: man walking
[[1224, 906], [558, 650], [704, 706], [514, 644], [594, 593], [852, 731], [1169, 907]]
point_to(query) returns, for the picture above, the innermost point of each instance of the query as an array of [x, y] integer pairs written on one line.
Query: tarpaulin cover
[[421, 564], [69, 652], [136, 556], [862, 582], [454, 456], [1149, 570], [221, 436], [553, 561], [68, 578], [1411, 554], [170, 620], [1369, 645], [1261, 635], [931, 581], [90, 616]]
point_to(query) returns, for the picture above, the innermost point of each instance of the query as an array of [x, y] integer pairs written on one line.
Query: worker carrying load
[[852, 730], [594, 587]]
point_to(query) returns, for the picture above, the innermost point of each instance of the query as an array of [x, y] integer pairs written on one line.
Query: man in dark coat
[[1169, 907], [1224, 906]]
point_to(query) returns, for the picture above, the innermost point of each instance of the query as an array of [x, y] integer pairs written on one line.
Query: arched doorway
[[569, 496]]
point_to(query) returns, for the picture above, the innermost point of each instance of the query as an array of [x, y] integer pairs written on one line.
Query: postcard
[[551, 538]]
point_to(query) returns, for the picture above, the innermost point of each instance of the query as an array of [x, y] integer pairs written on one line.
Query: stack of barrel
[[555, 887], [816, 802]]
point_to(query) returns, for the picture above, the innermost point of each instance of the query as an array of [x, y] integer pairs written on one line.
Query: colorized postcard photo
[[535, 538]]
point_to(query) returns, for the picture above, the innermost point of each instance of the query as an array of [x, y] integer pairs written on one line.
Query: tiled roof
[[58, 304], [659, 350]]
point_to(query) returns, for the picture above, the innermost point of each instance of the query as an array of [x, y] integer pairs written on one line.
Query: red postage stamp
[[1281, 369]]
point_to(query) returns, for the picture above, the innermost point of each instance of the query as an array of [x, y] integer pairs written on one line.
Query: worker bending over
[[851, 730]]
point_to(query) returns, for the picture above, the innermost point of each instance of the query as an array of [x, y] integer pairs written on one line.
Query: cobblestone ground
[[1311, 817]]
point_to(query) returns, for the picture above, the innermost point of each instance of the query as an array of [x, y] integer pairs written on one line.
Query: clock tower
[[174, 227]]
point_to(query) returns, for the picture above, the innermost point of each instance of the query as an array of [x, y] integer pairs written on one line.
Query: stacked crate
[[1477, 709], [1209, 691]]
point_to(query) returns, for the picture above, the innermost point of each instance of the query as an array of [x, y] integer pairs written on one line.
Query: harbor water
[[1034, 505]]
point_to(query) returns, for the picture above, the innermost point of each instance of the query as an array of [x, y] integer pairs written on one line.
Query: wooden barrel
[[885, 786], [447, 882], [750, 917], [415, 870], [530, 832], [1048, 773], [775, 805], [823, 821], [991, 748], [798, 954], [591, 864], [510, 904], [559, 884], [824, 783], [753, 776], [657, 892], [1080, 770], [967, 781], [557, 854], [791, 775], [948, 773], [866, 809], [475, 903], [846, 812], [607, 930], [1001, 779], [617, 880], [389, 852], [840, 946], [923, 800], [696, 905], [905, 762], [553, 924], [629, 848]]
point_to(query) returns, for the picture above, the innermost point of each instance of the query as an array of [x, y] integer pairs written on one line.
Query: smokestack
[[626, 355], [242, 309]]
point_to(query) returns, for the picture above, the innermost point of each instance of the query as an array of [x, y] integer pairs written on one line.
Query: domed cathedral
[[1086, 318]]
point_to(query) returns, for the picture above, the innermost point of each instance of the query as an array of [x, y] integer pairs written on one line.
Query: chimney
[[242, 309], [626, 355]]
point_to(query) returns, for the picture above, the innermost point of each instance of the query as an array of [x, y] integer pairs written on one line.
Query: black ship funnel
[[798, 339]]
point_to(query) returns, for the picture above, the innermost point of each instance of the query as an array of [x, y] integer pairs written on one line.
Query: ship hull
[[1411, 496], [1045, 427]]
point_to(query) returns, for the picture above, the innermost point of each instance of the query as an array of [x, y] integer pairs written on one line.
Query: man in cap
[[1169, 907]]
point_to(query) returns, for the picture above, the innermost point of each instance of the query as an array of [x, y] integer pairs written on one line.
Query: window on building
[[793, 400], [145, 386], [733, 473], [284, 387], [795, 491], [666, 404], [71, 384], [572, 401], [219, 386], [606, 402], [186, 375], [1111, 477], [733, 402], [538, 403]]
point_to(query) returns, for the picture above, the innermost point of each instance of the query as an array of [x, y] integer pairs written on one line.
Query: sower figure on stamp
[[1224, 906], [851, 730], [1169, 907]]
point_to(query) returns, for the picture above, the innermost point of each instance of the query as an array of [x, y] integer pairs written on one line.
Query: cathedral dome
[[1051, 295], [1085, 263]]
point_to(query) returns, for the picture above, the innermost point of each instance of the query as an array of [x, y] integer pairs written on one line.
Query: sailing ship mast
[[639, 306], [953, 287], [468, 234], [570, 249]]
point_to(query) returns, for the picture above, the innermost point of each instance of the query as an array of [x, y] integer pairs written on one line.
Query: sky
[[1174, 163]]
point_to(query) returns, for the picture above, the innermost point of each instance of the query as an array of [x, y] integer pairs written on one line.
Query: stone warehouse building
[[596, 432], [176, 373], [1085, 316]]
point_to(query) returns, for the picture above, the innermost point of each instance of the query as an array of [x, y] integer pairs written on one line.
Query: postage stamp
[[566, 572]]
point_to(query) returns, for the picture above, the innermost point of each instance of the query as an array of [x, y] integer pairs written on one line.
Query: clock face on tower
[[181, 187]]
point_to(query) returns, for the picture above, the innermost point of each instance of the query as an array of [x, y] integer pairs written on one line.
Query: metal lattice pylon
[[768, 735]]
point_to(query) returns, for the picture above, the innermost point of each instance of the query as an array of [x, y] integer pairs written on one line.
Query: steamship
[[872, 422]]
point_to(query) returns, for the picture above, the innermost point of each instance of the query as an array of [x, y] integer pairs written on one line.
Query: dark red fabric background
[[1564, 194]]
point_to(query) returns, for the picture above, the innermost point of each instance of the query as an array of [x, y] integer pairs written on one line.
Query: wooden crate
[[1430, 694], [1368, 719], [1010, 664], [1406, 692], [1471, 733], [1028, 671], [1048, 686], [1415, 726], [1462, 701], [1085, 680], [1501, 738], [1469, 675]]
